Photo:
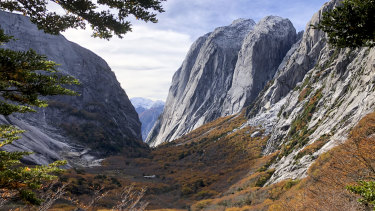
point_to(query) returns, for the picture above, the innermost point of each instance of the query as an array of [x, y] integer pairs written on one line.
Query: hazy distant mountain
[[148, 112]]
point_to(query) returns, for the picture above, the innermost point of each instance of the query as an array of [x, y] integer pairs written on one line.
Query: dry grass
[[323, 189], [213, 168]]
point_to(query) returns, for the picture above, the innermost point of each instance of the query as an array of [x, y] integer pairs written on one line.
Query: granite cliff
[[317, 96], [223, 72], [99, 122], [297, 89]]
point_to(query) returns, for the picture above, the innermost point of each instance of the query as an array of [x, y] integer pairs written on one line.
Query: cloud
[[145, 60], [197, 17]]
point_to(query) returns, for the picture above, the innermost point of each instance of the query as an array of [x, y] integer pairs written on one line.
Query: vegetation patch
[[305, 82], [304, 93], [310, 149], [264, 178], [299, 132]]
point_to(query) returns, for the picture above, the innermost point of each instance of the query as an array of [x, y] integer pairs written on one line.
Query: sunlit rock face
[[223, 72], [261, 54], [319, 89], [98, 122]]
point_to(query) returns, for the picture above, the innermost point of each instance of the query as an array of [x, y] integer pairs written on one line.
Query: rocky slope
[[148, 112], [317, 96], [223, 72], [98, 122]]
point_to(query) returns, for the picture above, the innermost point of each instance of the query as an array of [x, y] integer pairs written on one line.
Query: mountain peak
[[243, 21], [222, 73], [140, 102]]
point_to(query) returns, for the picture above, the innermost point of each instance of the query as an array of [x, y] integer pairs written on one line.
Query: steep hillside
[[323, 189], [99, 122], [148, 112], [317, 96], [223, 72]]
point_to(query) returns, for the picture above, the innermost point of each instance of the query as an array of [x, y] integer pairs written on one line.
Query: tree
[[106, 17], [24, 78], [351, 24], [366, 189], [18, 180]]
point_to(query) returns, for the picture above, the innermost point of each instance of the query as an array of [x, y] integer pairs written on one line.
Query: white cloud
[[144, 61]]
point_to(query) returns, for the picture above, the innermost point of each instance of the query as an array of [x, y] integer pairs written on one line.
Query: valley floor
[[221, 167]]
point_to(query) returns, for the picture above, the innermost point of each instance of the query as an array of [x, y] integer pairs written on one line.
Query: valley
[[258, 117]]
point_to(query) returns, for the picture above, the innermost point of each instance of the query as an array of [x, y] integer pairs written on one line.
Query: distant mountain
[[148, 112], [141, 103]]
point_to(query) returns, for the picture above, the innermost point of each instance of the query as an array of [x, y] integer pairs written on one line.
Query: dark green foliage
[[299, 133], [25, 76], [264, 178], [351, 24], [366, 189], [290, 183], [310, 149], [104, 22], [18, 178]]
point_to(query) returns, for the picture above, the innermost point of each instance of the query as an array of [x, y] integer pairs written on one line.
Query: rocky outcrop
[[148, 112], [261, 54], [100, 121], [223, 72], [200, 85]]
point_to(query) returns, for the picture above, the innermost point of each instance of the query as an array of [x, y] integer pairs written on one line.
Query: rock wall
[[261, 54], [99, 122], [223, 72]]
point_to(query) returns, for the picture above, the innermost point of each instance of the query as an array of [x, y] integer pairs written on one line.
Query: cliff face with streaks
[[223, 72], [82, 128]]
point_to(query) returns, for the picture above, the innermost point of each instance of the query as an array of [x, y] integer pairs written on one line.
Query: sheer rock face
[[222, 73], [98, 122], [262, 52]]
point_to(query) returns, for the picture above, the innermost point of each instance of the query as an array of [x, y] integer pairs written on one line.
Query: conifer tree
[[351, 24], [24, 77], [106, 17]]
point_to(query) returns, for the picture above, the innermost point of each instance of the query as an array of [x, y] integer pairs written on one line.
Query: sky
[[145, 60]]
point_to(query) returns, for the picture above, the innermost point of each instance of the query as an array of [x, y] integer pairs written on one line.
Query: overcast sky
[[145, 60]]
